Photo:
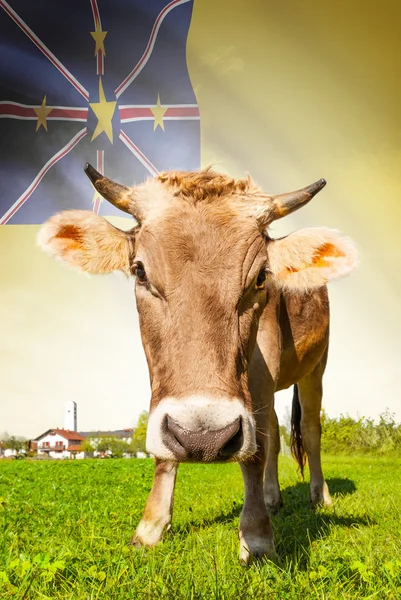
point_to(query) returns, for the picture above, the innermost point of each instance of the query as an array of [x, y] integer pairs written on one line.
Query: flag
[[91, 81], [287, 91]]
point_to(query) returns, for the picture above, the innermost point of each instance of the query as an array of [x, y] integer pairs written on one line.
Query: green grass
[[65, 528]]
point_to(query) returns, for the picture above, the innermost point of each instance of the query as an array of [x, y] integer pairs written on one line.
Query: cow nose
[[203, 445]]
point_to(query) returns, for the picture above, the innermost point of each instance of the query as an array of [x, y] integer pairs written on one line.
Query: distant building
[[70, 416], [65, 443], [59, 443], [8, 453], [124, 435], [121, 434]]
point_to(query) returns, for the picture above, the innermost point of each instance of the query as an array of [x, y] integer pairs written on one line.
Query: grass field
[[65, 527]]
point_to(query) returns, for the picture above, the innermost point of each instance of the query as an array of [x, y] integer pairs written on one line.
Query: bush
[[138, 443], [362, 435]]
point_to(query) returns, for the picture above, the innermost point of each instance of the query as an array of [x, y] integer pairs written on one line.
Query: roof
[[118, 433], [67, 434], [74, 448]]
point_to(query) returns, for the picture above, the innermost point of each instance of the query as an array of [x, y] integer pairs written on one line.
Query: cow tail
[[297, 448]]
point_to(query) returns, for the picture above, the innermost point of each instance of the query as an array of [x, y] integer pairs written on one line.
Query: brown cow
[[228, 316]]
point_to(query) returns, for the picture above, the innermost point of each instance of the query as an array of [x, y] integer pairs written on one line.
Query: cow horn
[[118, 195], [285, 204]]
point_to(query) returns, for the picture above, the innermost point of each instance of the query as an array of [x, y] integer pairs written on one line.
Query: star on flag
[[105, 106]]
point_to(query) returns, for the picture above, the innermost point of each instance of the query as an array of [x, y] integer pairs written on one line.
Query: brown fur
[[71, 233], [88, 242], [158, 512], [208, 329], [187, 271], [205, 185], [321, 257]]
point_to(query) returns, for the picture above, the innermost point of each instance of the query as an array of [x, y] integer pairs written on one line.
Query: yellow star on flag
[[42, 112], [104, 111], [158, 113], [99, 36]]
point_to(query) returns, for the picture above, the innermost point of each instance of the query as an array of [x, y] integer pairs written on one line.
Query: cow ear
[[311, 257], [88, 242]]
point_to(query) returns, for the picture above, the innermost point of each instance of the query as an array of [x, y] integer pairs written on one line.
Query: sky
[[288, 93]]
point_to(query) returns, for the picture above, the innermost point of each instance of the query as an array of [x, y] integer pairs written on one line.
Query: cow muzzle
[[200, 429], [203, 445]]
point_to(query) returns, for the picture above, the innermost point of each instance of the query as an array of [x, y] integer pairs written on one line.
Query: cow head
[[205, 270]]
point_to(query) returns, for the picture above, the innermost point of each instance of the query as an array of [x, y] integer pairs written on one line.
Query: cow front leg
[[158, 511], [255, 530], [310, 395], [271, 486]]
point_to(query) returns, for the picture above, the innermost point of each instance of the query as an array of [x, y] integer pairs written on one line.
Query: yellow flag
[[294, 91]]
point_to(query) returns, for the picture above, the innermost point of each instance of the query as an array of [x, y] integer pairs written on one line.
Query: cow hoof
[[273, 505], [136, 542], [254, 547], [320, 496], [148, 534]]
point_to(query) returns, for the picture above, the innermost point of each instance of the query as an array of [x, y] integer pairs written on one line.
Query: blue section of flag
[[27, 76]]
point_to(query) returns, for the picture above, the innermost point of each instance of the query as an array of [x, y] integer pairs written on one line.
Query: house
[[120, 434], [65, 443], [59, 443], [8, 452], [125, 435]]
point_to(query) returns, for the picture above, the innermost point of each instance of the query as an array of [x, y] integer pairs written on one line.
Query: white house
[[120, 434], [60, 443], [9, 452], [95, 437], [65, 443]]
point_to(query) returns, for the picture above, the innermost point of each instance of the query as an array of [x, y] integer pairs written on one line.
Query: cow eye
[[261, 278], [140, 273]]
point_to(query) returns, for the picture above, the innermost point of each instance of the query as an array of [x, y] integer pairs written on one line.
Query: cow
[[228, 316]]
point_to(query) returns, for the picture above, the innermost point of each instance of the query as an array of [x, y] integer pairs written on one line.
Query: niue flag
[[91, 81], [288, 92]]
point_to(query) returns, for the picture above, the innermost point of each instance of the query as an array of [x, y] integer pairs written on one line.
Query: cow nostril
[[203, 445], [234, 444], [176, 432], [172, 438]]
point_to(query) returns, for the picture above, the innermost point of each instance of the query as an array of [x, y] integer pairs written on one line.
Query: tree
[[118, 447], [286, 422], [14, 443], [110, 445], [138, 443], [346, 434], [103, 444], [285, 434], [88, 445]]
